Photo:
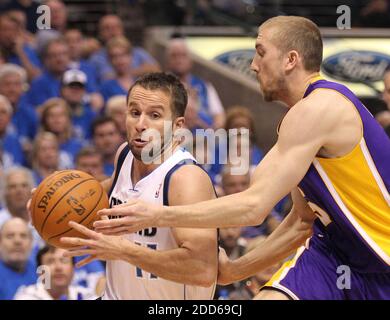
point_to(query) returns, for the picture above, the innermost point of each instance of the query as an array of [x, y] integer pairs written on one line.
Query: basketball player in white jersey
[[155, 263]]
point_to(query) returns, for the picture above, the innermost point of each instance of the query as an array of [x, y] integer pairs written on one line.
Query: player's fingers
[[120, 209], [33, 191], [112, 223], [84, 230], [80, 253], [76, 241], [114, 231]]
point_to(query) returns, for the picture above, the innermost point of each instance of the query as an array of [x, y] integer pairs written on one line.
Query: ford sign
[[238, 60], [356, 66]]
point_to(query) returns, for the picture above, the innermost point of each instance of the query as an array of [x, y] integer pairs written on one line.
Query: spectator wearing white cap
[[73, 92], [56, 60]]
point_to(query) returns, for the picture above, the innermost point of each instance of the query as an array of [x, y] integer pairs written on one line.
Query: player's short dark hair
[[102, 120], [167, 83], [47, 249]]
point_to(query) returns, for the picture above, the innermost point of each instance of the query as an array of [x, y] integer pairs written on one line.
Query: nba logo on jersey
[[158, 191]]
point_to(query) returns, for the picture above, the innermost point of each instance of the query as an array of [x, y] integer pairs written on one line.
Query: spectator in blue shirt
[[239, 117], [45, 156], [11, 150], [116, 108], [203, 98], [90, 161], [107, 139], [29, 9], [56, 60], [59, 275], [119, 53], [111, 26], [74, 38], [13, 81], [57, 118], [73, 92], [14, 49], [16, 269]]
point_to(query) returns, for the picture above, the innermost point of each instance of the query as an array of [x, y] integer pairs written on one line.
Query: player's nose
[[141, 124]]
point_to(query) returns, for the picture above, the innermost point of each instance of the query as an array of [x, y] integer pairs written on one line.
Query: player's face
[[147, 112], [11, 86], [18, 189], [267, 64], [61, 268], [15, 242]]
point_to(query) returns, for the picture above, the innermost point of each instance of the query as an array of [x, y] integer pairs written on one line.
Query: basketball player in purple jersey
[[333, 150]]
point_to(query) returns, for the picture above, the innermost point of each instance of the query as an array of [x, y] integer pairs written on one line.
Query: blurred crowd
[[63, 106]]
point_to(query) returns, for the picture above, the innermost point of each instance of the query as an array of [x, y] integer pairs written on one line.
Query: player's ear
[[178, 123], [291, 60]]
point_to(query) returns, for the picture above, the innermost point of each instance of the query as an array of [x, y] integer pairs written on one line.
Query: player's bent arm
[[302, 134], [107, 183], [195, 261], [287, 237]]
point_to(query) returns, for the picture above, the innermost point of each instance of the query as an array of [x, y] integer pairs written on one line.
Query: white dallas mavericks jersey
[[125, 281]]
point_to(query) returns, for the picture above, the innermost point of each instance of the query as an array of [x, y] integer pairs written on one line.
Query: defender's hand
[[128, 217]]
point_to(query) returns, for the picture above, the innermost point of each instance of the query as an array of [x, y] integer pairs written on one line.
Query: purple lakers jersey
[[354, 191]]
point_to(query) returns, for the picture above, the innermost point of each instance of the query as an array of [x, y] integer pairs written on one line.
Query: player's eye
[[135, 113], [155, 115]]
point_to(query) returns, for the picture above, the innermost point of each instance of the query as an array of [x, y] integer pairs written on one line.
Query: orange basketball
[[64, 196]]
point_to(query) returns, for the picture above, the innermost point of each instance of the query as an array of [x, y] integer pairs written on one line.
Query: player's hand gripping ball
[[64, 196]]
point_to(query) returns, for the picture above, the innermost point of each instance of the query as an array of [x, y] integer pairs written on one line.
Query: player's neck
[[140, 169], [298, 86]]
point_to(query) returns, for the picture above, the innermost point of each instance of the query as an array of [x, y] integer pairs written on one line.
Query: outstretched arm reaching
[[287, 237], [302, 134]]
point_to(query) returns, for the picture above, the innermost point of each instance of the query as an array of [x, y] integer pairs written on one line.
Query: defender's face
[[147, 112], [267, 64]]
